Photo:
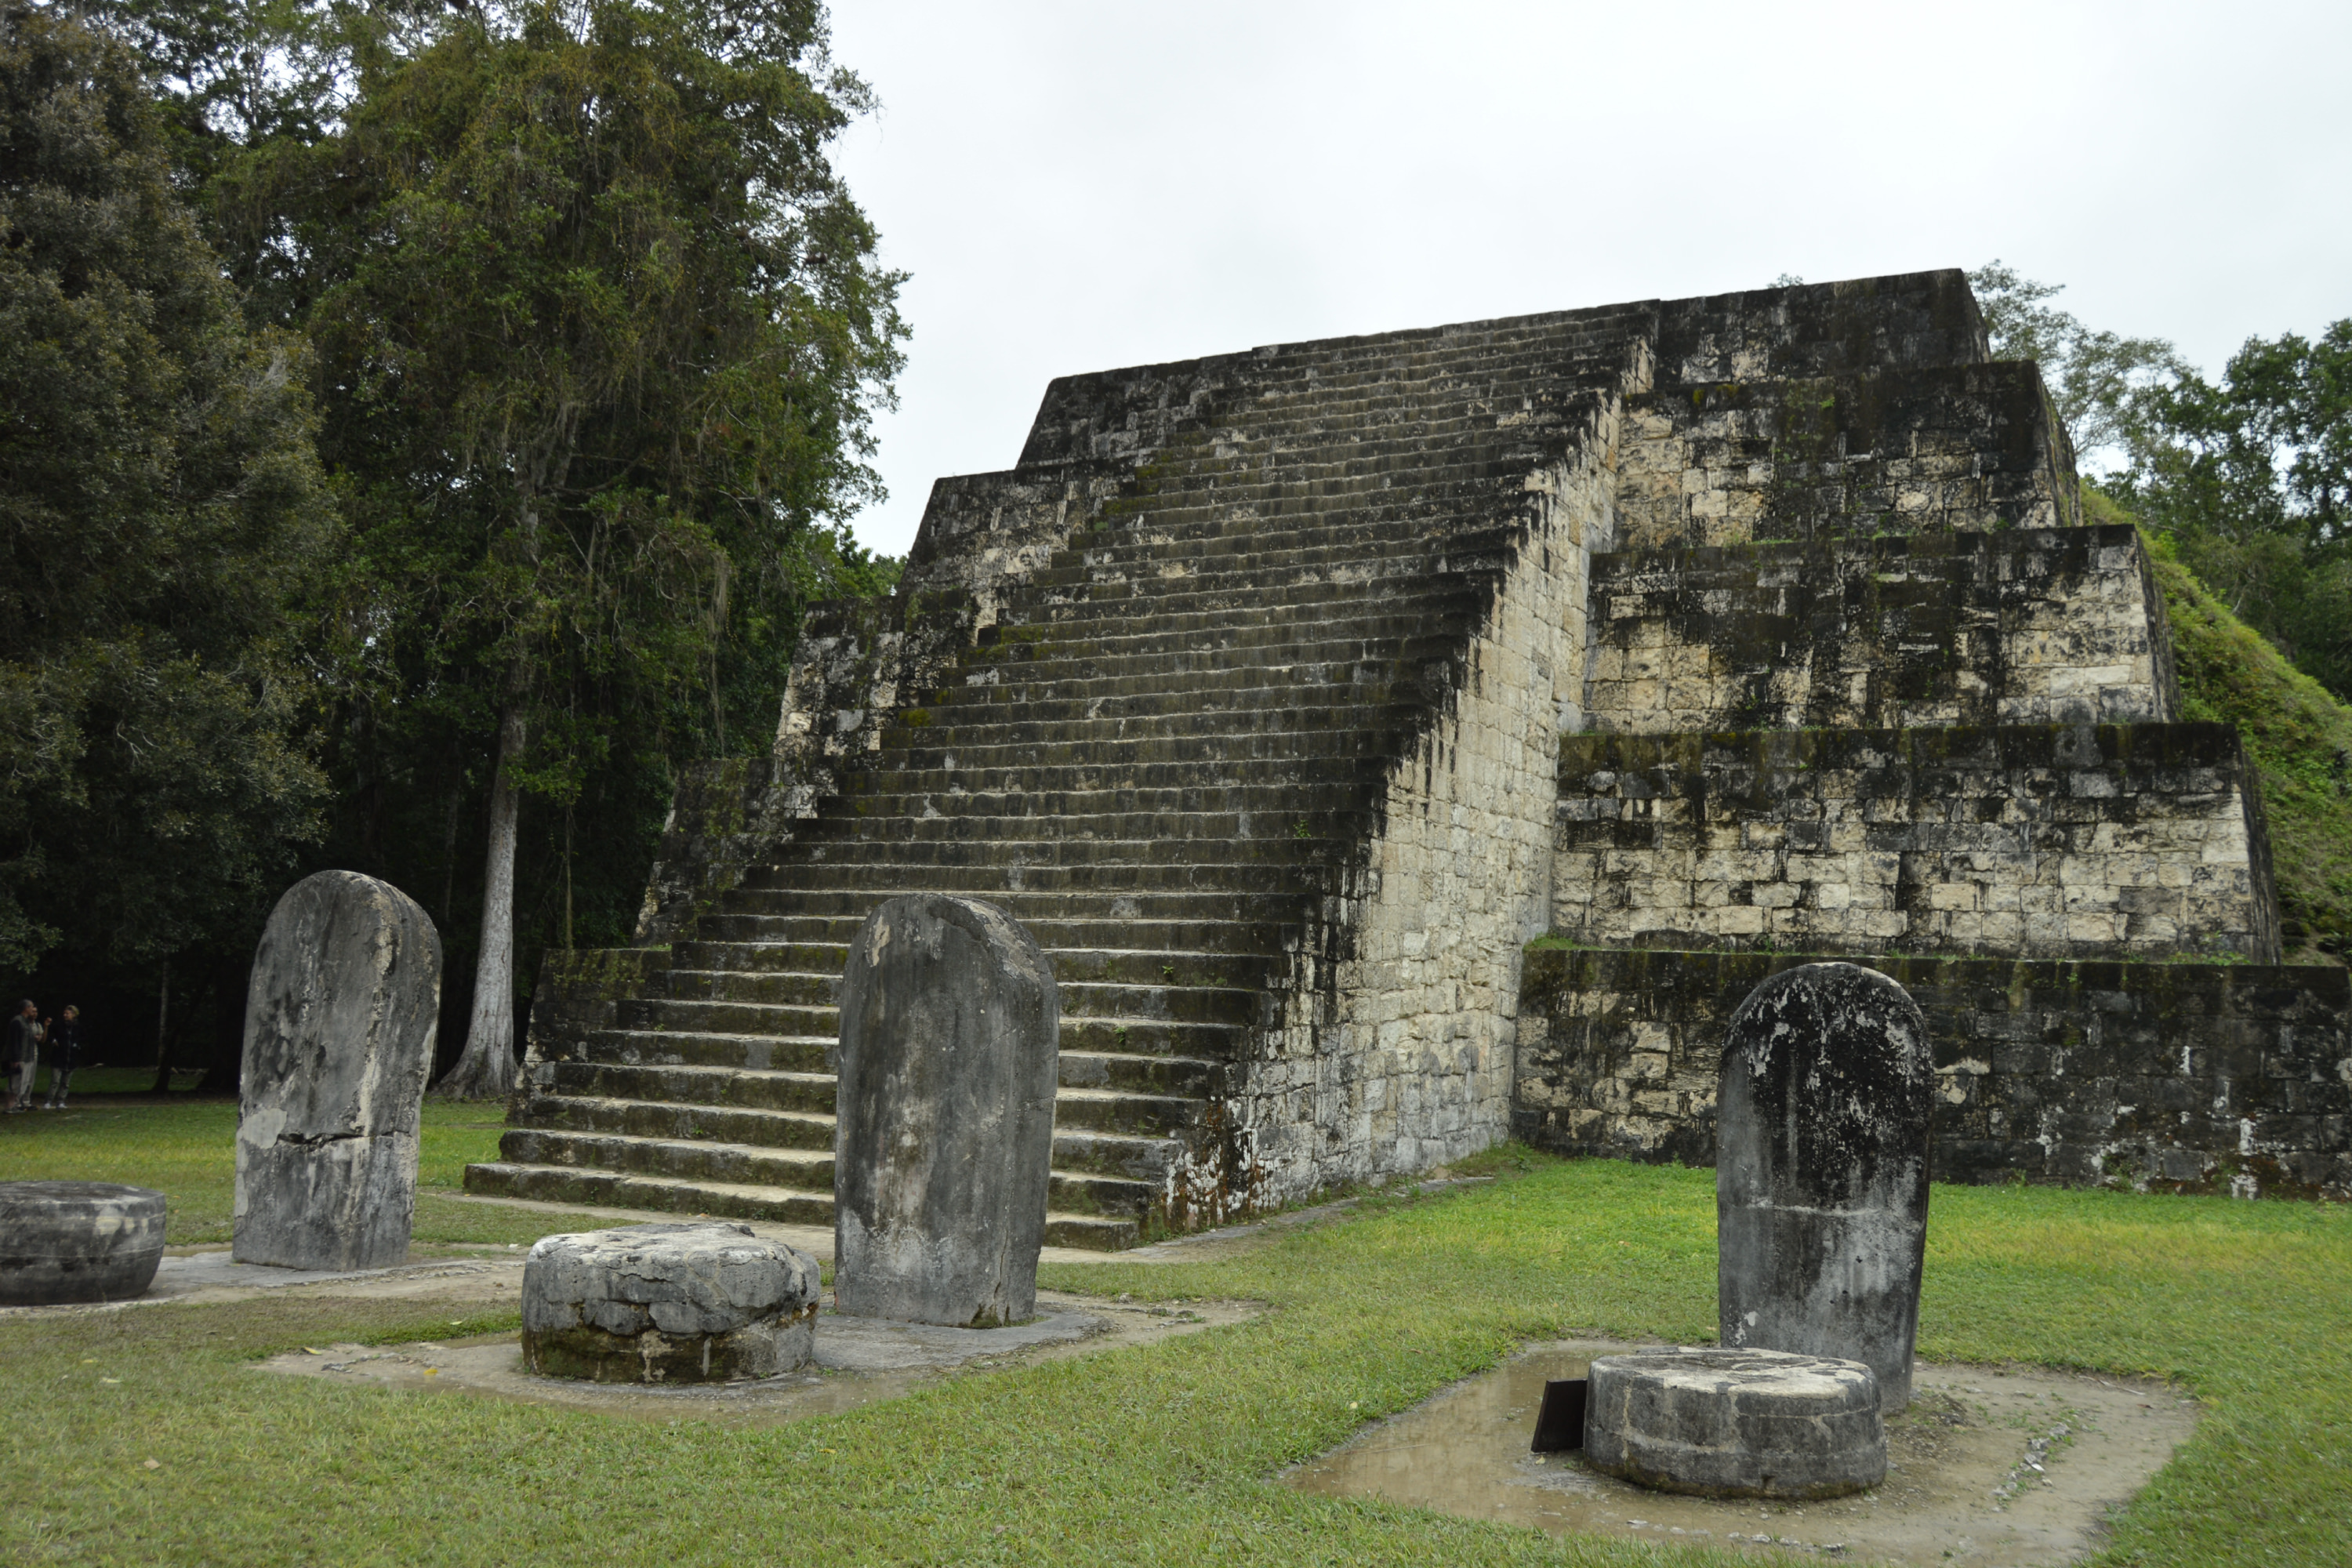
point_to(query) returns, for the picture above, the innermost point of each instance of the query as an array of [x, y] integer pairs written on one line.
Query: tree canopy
[[2248, 478], [163, 519], [600, 329]]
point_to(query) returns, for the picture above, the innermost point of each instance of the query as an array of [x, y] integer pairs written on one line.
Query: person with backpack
[[65, 1055], [20, 1054]]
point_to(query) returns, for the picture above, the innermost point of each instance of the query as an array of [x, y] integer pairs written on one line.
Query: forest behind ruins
[[425, 423]]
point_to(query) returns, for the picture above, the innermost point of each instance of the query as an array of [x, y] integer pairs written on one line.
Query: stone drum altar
[[944, 1121], [1821, 1170], [1735, 1423], [78, 1241], [339, 1028], [710, 1302]]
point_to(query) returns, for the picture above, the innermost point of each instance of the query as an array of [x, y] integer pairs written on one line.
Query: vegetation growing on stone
[[2298, 733]]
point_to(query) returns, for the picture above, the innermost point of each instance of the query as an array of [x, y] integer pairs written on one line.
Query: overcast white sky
[[1077, 186]]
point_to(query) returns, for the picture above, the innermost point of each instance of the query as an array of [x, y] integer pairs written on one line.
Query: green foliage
[[2250, 479], [1173, 1452], [2298, 733], [163, 516], [188, 1148], [600, 331], [2093, 375]]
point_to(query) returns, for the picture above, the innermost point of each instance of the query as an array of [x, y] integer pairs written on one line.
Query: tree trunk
[[486, 1070], [162, 1038]]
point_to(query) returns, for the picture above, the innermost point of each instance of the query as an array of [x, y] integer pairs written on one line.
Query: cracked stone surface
[[1820, 1173], [1728, 1423], [710, 1302], [76, 1241], [943, 1149], [339, 1030]]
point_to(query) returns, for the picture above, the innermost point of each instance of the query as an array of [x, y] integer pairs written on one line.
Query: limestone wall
[[2197, 1077], [2038, 840], [2014, 627], [1908, 450]]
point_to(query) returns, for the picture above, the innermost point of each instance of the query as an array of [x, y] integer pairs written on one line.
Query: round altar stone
[[707, 1302], [78, 1241], [1736, 1422]]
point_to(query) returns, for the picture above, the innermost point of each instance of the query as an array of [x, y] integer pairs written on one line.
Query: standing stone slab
[[78, 1241], [668, 1303], [1820, 1174], [944, 1118], [338, 1029]]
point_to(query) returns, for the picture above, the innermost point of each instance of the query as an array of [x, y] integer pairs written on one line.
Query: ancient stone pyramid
[[1286, 695]]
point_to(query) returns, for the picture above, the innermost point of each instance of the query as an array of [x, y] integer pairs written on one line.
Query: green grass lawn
[[1166, 1453], [186, 1148]]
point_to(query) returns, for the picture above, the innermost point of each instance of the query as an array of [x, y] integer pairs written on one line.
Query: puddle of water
[[2009, 1469]]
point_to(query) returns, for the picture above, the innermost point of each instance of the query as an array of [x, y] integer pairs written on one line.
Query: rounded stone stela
[[1736, 1422], [78, 1241], [709, 1302]]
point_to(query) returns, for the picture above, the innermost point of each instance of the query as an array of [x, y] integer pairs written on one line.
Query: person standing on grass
[[20, 1053], [65, 1055]]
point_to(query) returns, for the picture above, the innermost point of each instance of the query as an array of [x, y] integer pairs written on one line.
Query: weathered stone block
[[78, 1241], [339, 1030], [711, 1302], [1821, 1170], [1734, 1422], [944, 1119]]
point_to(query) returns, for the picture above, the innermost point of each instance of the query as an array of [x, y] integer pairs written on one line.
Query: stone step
[[1079, 809], [1238, 595], [1486, 554], [1029, 904], [1080, 698], [1223, 828], [667, 1016], [916, 751], [890, 877], [1111, 965], [1010, 646], [1045, 666], [1326, 608], [730, 1087], [1218, 937], [1360, 544], [820, 843], [1276, 714], [1080, 999], [1132, 1070], [883, 877], [642, 1190]]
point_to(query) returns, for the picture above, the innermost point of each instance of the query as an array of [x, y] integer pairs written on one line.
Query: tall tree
[[601, 329], [163, 517]]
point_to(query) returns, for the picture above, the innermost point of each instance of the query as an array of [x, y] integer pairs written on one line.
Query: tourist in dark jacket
[[20, 1053], [65, 1055]]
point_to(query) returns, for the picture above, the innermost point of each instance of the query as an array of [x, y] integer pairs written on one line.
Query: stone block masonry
[[2022, 626], [2036, 840], [2160, 1076], [1901, 450]]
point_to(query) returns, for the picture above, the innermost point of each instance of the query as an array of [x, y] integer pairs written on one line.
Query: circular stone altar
[[707, 1302], [78, 1241], [1736, 1422]]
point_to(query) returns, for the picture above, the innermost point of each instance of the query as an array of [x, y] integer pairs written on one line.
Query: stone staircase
[[1165, 757]]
